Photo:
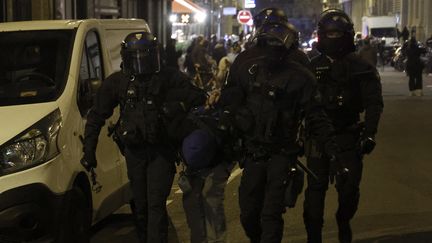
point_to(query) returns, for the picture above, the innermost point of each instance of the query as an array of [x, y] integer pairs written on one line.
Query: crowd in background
[[207, 60]]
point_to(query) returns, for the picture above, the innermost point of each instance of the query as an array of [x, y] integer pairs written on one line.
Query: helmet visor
[[269, 16], [335, 22], [144, 61], [276, 34]]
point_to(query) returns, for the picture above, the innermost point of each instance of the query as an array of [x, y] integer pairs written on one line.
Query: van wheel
[[76, 218]]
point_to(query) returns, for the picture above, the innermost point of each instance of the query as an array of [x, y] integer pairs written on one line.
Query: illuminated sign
[[249, 4], [184, 18], [229, 11]]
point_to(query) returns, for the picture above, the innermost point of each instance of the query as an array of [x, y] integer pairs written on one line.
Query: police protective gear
[[349, 86], [335, 33], [267, 102], [89, 161], [270, 15], [140, 54], [277, 40], [367, 145], [277, 35], [274, 30], [149, 154]]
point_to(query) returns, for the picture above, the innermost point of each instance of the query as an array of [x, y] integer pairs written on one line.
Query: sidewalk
[[395, 83]]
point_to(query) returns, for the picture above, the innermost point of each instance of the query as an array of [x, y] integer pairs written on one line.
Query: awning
[[186, 6]]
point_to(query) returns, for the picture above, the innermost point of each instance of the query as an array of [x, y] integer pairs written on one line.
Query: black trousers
[[415, 80], [151, 176], [261, 196], [204, 207], [346, 186]]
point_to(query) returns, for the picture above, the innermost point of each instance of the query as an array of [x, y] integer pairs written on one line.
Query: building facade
[[155, 12], [414, 14]]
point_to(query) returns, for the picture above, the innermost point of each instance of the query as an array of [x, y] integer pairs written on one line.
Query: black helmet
[[335, 33], [273, 28], [140, 54], [269, 15]]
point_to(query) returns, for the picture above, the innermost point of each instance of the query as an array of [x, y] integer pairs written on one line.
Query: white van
[[381, 27], [49, 73]]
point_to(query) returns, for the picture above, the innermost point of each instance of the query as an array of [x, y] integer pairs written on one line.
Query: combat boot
[[345, 232]]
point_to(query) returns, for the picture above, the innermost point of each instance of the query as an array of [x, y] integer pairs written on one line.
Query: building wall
[[428, 19], [415, 14], [155, 12], [359, 9]]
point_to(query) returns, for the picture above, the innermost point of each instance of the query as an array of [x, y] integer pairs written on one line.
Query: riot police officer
[[272, 14], [267, 95], [349, 86], [148, 98]]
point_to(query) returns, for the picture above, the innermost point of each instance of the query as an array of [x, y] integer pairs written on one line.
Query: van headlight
[[34, 146]]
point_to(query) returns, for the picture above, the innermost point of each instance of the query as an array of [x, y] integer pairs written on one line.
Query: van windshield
[[383, 32], [34, 65]]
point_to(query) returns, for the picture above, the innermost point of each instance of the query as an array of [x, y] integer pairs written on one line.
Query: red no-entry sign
[[244, 16]]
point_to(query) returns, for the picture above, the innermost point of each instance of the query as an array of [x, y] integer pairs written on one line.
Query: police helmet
[[199, 149], [269, 15], [335, 32], [273, 28], [140, 54]]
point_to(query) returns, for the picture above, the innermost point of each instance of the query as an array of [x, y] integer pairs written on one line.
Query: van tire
[[76, 218]]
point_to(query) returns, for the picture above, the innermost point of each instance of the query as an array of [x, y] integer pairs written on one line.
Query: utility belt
[[345, 137], [356, 128], [135, 132], [261, 151], [295, 174]]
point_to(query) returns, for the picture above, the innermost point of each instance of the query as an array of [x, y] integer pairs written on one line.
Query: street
[[396, 195]]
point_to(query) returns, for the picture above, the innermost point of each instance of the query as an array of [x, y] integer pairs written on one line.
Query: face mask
[[335, 47], [274, 54]]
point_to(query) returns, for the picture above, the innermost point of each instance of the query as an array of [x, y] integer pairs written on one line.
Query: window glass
[[34, 65], [91, 73]]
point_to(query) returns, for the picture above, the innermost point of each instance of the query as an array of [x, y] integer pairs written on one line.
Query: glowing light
[[173, 18], [200, 17]]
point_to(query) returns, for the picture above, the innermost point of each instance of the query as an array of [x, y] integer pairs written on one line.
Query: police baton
[[307, 170]]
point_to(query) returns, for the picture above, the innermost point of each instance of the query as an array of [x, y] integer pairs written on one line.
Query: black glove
[[89, 160], [366, 145]]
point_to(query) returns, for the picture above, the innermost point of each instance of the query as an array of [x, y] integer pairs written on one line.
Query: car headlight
[[34, 146]]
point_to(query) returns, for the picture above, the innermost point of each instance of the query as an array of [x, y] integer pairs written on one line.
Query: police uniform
[[349, 86], [147, 102], [268, 94]]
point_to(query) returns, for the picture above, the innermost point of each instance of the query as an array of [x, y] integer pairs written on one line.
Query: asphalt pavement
[[396, 189]]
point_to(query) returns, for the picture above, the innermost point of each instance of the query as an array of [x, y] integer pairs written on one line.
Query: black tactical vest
[[272, 102], [140, 119], [339, 89]]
